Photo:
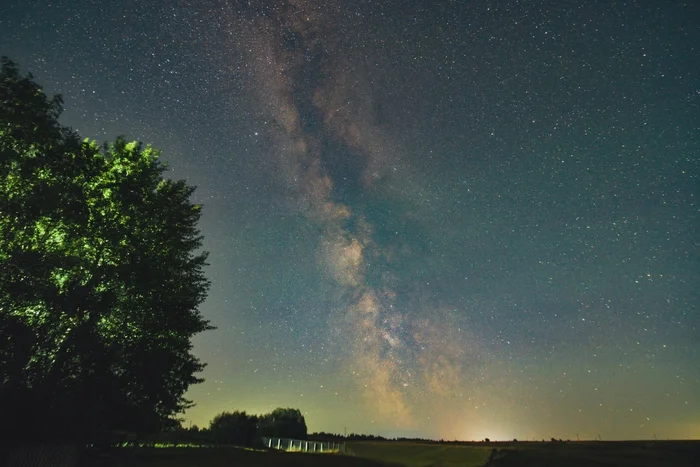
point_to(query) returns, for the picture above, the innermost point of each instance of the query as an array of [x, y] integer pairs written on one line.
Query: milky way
[[442, 219], [307, 90]]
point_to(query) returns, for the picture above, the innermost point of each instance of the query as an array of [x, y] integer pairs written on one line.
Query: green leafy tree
[[101, 276], [283, 423]]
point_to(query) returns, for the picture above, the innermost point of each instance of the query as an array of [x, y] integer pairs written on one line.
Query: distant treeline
[[239, 428], [243, 429], [323, 436]]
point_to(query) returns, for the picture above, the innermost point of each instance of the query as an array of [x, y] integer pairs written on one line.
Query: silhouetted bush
[[283, 423], [237, 428]]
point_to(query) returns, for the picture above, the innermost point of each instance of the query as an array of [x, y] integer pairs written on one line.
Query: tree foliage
[[241, 429], [236, 428], [283, 423], [101, 275]]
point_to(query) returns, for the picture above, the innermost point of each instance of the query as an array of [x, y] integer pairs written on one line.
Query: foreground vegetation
[[409, 454], [420, 455], [101, 278], [224, 457], [618, 454], [544, 454]]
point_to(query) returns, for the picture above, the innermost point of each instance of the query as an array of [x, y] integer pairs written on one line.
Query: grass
[[422, 455], [221, 457], [602, 454], [394, 454]]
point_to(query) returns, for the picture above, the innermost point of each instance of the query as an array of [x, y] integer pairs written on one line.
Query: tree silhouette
[[283, 423], [100, 277], [237, 428]]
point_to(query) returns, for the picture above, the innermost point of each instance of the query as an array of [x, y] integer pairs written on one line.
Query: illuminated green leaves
[[101, 270]]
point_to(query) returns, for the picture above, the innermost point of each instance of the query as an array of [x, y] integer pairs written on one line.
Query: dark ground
[[222, 457], [600, 454], [385, 454]]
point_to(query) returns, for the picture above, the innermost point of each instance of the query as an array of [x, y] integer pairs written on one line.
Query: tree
[[101, 276], [283, 423], [237, 428]]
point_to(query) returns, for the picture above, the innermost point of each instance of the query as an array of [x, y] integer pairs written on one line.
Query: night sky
[[447, 219]]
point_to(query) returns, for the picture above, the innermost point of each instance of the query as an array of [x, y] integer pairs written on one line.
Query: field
[[422, 455], [601, 454], [545, 454], [395, 454], [223, 457], [568, 454]]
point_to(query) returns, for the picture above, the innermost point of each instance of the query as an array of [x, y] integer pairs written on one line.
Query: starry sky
[[447, 219]]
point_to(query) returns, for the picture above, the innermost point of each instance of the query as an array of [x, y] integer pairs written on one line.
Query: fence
[[299, 445]]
